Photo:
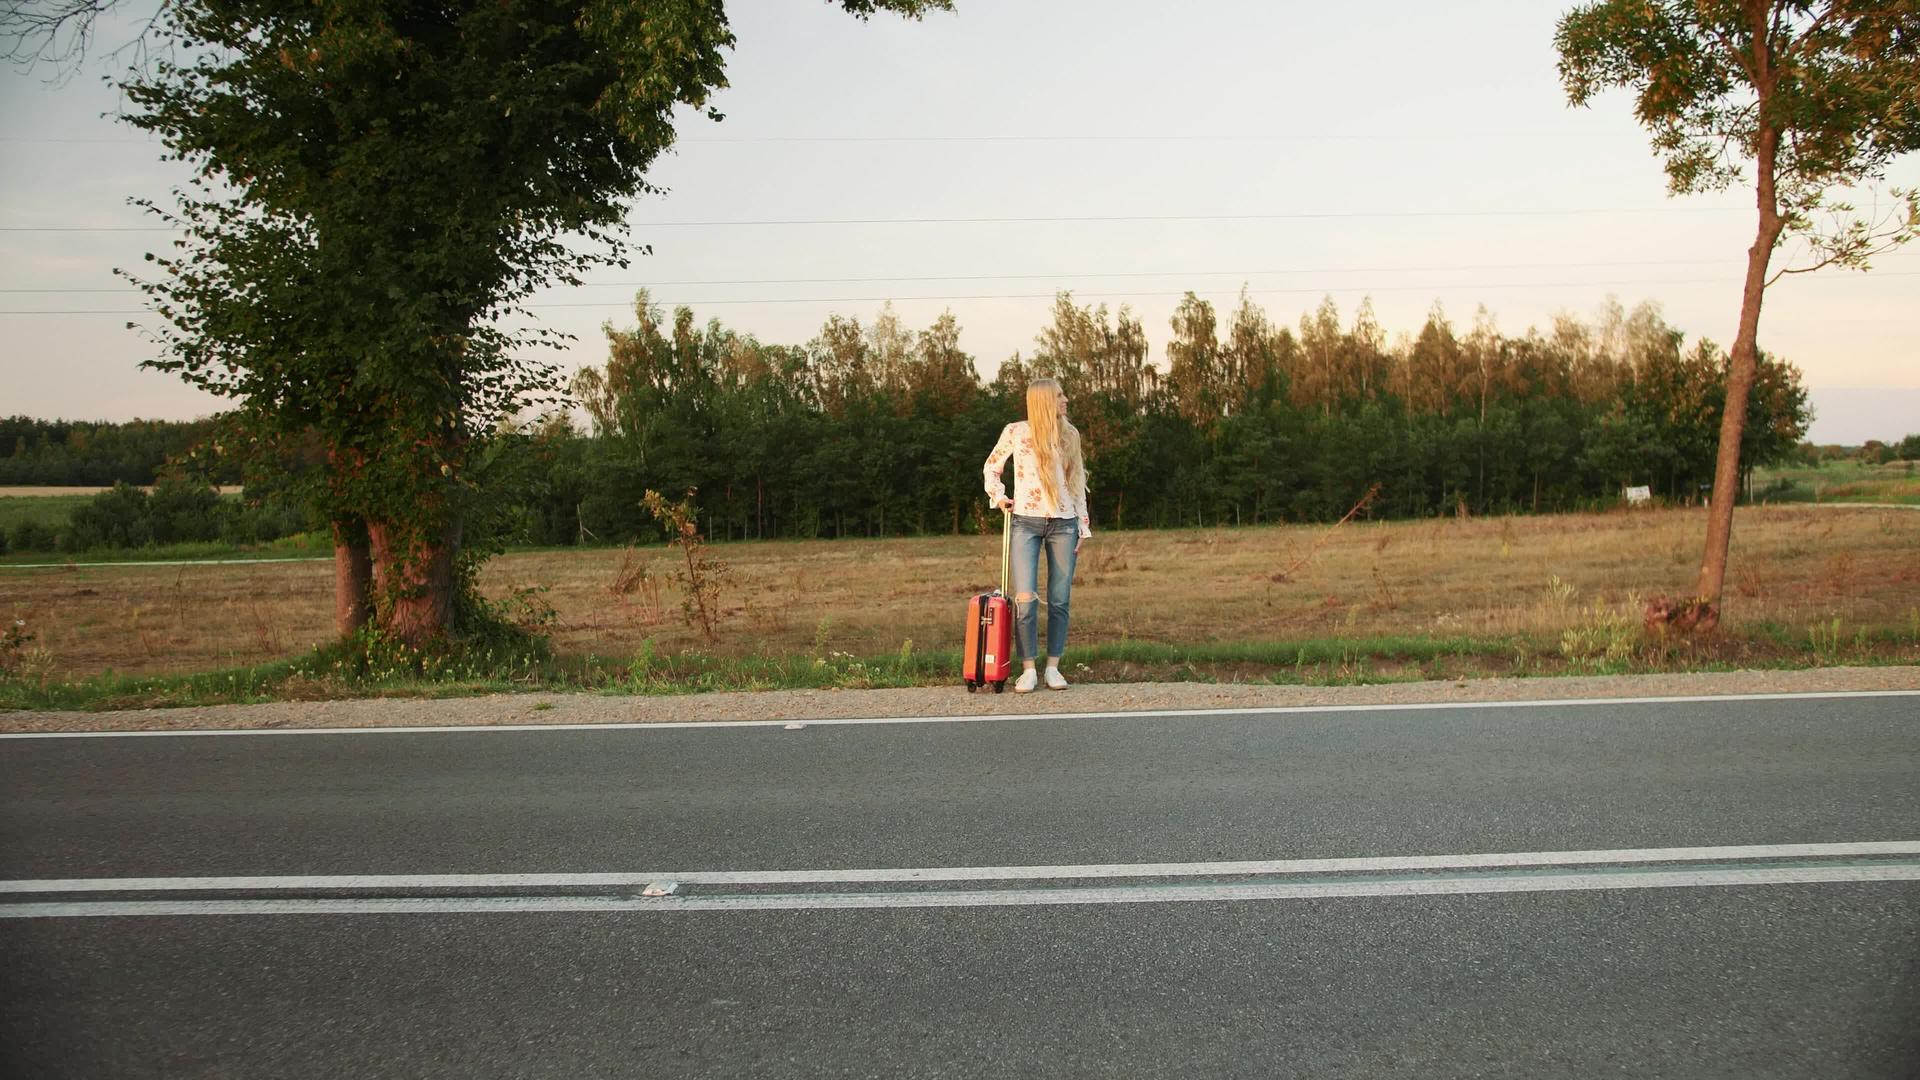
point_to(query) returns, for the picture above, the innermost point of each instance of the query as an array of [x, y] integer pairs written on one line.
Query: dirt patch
[[802, 705]]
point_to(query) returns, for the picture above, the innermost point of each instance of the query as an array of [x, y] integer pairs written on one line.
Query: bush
[[33, 536], [269, 521], [119, 517], [181, 510]]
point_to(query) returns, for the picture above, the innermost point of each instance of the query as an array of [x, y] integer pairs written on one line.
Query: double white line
[[1413, 875]]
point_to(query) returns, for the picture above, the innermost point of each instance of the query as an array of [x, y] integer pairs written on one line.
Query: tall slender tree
[[1815, 96]]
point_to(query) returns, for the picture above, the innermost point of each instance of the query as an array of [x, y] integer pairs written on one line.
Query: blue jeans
[[1058, 536]]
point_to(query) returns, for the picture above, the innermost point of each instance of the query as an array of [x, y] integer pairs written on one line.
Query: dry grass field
[[1793, 568]]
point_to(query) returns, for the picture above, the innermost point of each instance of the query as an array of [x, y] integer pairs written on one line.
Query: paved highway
[[1719, 887]]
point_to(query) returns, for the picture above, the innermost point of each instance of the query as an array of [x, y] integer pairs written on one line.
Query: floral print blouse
[[1029, 497]]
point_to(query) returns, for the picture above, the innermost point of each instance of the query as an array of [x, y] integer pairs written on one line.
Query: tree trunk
[[414, 586], [352, 576], [1740, 376]]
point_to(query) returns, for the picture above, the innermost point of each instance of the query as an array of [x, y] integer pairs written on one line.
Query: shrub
[[119, 517], [704, 576], [182, 510], [33, 536]]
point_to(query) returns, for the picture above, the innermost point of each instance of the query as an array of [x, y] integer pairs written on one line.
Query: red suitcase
[[989, 648]]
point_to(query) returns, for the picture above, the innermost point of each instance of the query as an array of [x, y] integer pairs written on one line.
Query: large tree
[[378, 187], [1814, 96]]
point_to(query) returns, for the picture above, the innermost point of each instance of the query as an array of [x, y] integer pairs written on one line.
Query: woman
[[1049, 506]]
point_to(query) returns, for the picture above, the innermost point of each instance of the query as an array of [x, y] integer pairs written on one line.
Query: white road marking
[[1382, 864], [1128, 894], [681, 725]]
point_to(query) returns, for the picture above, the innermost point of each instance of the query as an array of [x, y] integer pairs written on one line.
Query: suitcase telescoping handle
[[1006, 548]]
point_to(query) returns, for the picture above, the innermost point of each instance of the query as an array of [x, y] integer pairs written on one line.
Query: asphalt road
[[1737, 980]]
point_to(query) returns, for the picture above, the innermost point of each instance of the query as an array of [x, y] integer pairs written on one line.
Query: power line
[[1330, 136], [716, 301], [670, 282], [1320, 136], [1301, 215], [1047, 277], [699, 302], [86, 228]]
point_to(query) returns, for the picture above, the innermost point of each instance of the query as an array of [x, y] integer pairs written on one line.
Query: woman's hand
[[1005, 504]]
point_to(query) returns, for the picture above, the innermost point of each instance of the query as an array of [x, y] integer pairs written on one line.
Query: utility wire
[[1326, 136], [716, 301], [667, 282], [1303, 215], [1317, 136], [1047, 277]]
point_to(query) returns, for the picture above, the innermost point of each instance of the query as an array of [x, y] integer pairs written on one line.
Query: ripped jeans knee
[[1026, 624]]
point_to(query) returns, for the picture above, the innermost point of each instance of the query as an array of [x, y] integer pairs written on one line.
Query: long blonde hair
[[1055, 439]]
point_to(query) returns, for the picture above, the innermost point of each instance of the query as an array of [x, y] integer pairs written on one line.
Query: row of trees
[[881, 429], [1872, 452], [379, 187], [179, 510], [97, 454]]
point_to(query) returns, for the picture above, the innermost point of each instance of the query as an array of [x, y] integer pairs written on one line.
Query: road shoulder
[[800, 705]]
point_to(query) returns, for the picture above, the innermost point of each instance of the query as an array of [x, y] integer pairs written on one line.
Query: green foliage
[[488, 648], [1820, 93], [1817, 95], [51, 511], [121, 516], [179, 512], [855, 435], [32, 536], [1604, 638], [377, 190], [65, 453], [1839, 480]]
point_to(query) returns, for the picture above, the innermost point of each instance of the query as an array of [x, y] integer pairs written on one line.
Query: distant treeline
[[881, 429], [1873, 452], [68, 453], [178, 510]]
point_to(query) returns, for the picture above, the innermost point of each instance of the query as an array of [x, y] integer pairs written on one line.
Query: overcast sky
[[1412, 152]]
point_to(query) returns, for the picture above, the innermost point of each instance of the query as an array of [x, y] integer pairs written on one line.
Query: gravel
[[580, 708]]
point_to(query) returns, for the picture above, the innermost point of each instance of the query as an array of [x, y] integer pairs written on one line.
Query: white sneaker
[[1055, 680], [1026, 682]]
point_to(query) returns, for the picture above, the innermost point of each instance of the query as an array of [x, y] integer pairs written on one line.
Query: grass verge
[[1840, 482], [297, 546], [332, 674]]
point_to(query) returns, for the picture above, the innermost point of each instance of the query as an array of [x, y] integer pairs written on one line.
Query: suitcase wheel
[[970, 687], [1000, 687]]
